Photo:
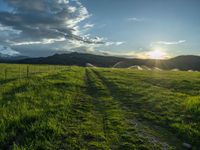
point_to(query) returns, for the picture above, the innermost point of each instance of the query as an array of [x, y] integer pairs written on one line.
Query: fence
[[14, 71]]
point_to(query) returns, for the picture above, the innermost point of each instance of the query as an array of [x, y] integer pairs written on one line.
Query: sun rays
[[157, 53]]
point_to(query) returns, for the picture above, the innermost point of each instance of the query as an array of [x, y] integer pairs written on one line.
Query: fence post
[[27, 72], [5, 73], [19, 72]]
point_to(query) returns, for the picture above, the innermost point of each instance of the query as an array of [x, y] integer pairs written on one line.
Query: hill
[[7, 58], [79, 59], [187, 62]]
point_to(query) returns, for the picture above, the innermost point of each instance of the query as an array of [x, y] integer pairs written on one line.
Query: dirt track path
[[154, 134]]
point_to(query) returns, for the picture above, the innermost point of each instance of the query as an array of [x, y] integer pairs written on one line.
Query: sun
[[157, 54]]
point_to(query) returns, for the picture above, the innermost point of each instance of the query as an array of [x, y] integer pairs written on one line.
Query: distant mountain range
[[187, 62], [8, 58], [79, 59]]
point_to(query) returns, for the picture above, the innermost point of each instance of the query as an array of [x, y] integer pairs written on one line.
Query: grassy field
[[60, 107]]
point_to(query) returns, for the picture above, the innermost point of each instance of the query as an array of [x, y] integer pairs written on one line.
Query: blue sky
[[132, 28]]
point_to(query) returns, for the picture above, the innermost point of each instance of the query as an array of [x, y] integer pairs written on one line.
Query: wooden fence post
[[27, 72], [6, 73], [19, 72]]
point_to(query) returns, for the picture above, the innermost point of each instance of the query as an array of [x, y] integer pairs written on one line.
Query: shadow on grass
[[17, 131], [133, 103], [25, 131], [9, 96], [5, 81], [127, 98]]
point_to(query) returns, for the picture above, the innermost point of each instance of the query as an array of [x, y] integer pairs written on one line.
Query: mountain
[[187, 62], [8, 58], [79, 59]]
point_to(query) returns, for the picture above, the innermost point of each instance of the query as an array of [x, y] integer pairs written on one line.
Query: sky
[[128, 28]]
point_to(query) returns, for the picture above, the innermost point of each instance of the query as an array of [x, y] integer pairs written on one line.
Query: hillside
[[79, 59], [187, 62], [8, 58], [181, 62], [61, 107]]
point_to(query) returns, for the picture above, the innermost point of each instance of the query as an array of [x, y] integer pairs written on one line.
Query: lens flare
[[157, 54]]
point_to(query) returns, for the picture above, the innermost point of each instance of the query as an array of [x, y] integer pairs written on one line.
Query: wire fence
[[18, 71]]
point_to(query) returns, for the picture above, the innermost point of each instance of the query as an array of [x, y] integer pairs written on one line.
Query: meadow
[[48, 107]]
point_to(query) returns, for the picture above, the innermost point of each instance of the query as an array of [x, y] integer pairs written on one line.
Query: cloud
[[133, 19], [43, 22], [44, 41], [8, 29], [169, 43], [44, 19], [114, 43], [119, 43], [5, 51], [87, 26]]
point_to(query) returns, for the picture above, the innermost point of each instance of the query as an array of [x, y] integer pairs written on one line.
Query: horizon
[[141, 29], [106, 55], [119, 56]]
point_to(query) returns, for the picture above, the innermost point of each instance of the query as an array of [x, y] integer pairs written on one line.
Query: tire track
[[155, 134]]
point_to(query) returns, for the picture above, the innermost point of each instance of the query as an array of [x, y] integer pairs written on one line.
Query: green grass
[[61, 107]]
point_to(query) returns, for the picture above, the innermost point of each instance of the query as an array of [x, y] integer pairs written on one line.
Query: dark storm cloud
[[42, 19], [27, 5], [45, 21], [30, 26]]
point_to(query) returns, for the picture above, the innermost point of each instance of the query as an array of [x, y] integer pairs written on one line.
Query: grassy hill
[[61, 107]]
